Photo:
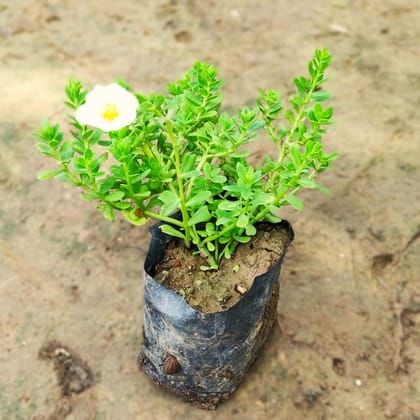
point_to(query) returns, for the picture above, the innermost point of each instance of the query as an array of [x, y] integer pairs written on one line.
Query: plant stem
[[147, 150], [128, 179], [167, 219], [182, 203], [299, 115], [260, 216], [200, 165]]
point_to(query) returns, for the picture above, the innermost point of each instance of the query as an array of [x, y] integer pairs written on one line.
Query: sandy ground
[[349, 343]]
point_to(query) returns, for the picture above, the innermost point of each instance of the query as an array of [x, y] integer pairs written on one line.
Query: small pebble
[[358, 382], [235, 13], [336, 28], [240, 289]]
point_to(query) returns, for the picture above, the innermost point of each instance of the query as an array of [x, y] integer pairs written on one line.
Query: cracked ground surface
[[348, 342]]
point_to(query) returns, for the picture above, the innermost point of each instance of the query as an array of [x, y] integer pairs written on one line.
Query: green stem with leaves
[[180, 181]]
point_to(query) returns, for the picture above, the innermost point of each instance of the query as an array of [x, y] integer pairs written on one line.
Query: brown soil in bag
[[218, 290]]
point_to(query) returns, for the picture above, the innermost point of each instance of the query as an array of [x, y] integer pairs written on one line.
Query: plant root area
[[218, 290], [347, 341]]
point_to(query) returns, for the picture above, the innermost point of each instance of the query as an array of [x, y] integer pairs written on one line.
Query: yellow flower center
[[110, 112]]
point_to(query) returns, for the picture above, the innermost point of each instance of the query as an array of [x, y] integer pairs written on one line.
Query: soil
[[349, 337], [73, 374], [218, 290]]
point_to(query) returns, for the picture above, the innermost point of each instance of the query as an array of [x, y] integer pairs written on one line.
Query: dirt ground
[[348, 345]]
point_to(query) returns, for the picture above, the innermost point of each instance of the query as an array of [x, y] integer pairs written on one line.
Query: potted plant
[[211, 273]]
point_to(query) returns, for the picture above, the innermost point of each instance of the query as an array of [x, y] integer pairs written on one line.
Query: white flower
[[108, 107]]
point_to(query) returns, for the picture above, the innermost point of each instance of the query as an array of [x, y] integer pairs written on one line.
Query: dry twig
[[398, 360]]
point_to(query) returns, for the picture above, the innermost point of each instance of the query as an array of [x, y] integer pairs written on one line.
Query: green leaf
[[188, 163], [229, 205], [295, 153], [171, 231], [224, 219], [302, 85], [272, 218], [321, 95], [242, 221], [199, 199], [45, 149], [218, 179], [242, 239], [290, 116], [207, 268], [66, 151], [262, 198], [250, 230], [318, 111], [170, 202], [294, 202], [121, 81], [191, 174], [106, 184], [208, 115], [210, 246], [256, 125], [307, 183], [323, 189], [49, 174], [297, 100], [242, 171], [142, 195], [108, 212], [89, 196], [63, 177], [139, 177], [193, 99], [224, 239], [75, 93], [131, 216], [104, 143], [239, 154], [79, 165], [328, 112], [201, 215], [115, 196], [123, 205], [227, 252]]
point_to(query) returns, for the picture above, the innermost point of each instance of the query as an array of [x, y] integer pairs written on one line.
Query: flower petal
[[108, 107]]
